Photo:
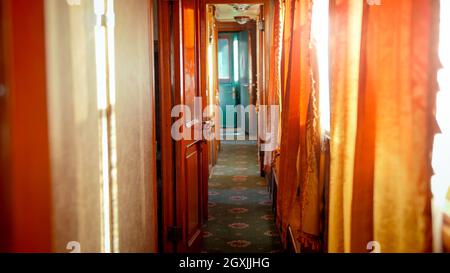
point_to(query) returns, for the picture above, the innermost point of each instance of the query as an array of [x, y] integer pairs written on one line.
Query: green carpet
[[240, 210]]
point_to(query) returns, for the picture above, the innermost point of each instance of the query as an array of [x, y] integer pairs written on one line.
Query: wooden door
[[260, 78], [184, 161], [228, 82], [211, 74], [244, 76], [189, 152]]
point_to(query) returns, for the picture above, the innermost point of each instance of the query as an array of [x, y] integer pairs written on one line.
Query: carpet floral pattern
[[240, 210]]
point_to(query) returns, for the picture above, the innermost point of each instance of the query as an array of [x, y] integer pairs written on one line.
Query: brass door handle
[[208, 124]]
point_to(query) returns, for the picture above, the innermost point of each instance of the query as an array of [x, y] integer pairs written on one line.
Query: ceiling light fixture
[[242, 20]]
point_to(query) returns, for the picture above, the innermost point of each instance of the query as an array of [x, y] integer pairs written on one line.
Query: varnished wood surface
[[28, 180], [166, 101]]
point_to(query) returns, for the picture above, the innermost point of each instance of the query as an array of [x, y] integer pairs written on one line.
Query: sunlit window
[[106, 90], [102, 98], [441, 155], [210, 74], [236, 58], [224, 59], [319, 27]]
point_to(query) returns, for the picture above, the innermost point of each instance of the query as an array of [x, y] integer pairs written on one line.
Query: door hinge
[[174, 234]]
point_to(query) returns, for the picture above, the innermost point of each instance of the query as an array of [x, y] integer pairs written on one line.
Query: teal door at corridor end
[[233, 69], [244, 76], [228, 93]]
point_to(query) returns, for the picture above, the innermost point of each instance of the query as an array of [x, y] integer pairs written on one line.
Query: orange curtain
[[309, 155], [298, 182], [274, 94], [383, 124], [345, 41], [287, 198]]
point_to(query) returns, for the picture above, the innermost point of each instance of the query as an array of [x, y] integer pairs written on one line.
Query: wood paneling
[[166, 56], [260, 77], [179, 85], [182, 160], [28, 180], [212, 97], [446, 233], [235, 27], [193, 187], [190, 151], [5, 206]]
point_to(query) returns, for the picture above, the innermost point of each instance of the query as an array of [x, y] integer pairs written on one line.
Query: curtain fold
[[383, 124], [274, 94], [405, 124], [309, 154], [345, 40], [288, 197], [299, 189]]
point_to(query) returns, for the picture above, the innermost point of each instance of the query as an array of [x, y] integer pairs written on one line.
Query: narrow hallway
[[240, 209], [144, 126]]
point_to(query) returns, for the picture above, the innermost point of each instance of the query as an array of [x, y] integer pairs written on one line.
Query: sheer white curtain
[[100, 104], [441, 155]]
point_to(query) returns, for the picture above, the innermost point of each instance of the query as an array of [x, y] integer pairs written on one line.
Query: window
[[320, 21], [236, 58], [224, 59], [441, 179]]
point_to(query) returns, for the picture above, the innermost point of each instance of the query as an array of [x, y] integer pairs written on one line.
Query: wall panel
[[25, 186]]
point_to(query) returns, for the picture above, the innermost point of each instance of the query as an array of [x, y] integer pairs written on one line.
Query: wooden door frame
[[5, 139], [154, 176], [27, 183], [203, 30], [183, 146], [172, 155], [167, 100]]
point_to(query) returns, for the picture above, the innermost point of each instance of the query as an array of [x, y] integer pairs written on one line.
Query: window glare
[[319, 30], [441, 157]]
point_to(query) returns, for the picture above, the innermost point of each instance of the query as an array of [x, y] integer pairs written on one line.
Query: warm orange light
[[320, 23], [441, 156]]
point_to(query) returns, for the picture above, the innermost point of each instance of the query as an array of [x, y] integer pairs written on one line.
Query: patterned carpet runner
[[240, 210]]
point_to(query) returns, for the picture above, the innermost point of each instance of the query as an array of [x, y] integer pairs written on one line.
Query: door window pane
[[224, 59]]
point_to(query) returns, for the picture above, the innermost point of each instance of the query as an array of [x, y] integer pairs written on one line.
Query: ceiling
[[226, 12]]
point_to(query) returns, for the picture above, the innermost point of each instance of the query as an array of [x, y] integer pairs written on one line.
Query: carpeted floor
[[240, 210]]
